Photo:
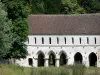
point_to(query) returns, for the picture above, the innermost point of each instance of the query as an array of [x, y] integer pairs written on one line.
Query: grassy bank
[[65, 70]]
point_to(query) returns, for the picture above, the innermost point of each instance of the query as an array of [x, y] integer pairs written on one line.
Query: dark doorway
[[51, 59], [62, 59], [41, 59], [78, 58], [30, 61], [92, 59]]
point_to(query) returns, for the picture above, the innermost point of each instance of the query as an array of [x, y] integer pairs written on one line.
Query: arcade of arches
[[63, 60]]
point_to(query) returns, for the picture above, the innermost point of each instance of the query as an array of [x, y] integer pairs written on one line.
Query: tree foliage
[[18, 13], [45, 6], [72, 7], [64, 6], [91, 6], [5, 32], [55, 7]]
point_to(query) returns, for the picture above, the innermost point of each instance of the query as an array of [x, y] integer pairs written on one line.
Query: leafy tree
[[71, 7], [19, 49], [18, 13], [91, 6], [5, 32], [55, 7], [45, 6], [52, 6]]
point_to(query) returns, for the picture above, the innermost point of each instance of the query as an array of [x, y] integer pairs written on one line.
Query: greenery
[[45, 6], [91, 6], [5, 32], [18, 13], [64, 6], [72, 7], [64, 70]]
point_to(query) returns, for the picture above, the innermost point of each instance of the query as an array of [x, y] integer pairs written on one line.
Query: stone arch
[[92, 59], [30, 61], [52, 57], [40, 52], [62, 52], [63, 58], [41, 57], [78, 58]]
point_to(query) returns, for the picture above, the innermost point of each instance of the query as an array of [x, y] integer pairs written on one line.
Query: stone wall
[[67, 44]]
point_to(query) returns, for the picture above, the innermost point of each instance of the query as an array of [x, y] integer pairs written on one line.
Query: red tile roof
[[64, 24]]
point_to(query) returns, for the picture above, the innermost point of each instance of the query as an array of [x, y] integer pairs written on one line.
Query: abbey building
[[57, 40]]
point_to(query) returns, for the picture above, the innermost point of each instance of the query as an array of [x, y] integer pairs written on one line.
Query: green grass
[[64, 70]]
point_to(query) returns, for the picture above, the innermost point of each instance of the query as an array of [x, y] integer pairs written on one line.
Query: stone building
[[56, 40]]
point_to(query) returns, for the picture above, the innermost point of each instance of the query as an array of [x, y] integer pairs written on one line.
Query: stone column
[[57, 62], [70, 60], [87, 61], [84, 59], [98, 57], [35, 62], [46, 62]]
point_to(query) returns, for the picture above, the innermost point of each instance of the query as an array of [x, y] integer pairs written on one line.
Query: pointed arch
[[41, 57], [51, 52], [40, 52], [92, 59], [52, 57], [78, 58], [63, 58], [62, 52]]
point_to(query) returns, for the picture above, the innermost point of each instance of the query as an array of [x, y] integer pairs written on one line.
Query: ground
[[64, 70]]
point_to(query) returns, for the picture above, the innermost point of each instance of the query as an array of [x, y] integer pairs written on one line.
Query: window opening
[[80, 40], [49, 40], [65, 39], [72, 40], [95, 40], [57, 40], [87, 40], [42, 40], [35, 39]]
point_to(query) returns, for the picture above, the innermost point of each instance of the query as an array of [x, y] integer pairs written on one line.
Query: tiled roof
[[64, 24]]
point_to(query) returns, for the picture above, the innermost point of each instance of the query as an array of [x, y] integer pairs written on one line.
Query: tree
[[18, 13], [71, 7], [55, 7], [91, 6], [5, 32], [45, 6]]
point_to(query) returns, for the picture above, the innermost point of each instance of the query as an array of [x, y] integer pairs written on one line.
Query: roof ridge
[[64, 14]]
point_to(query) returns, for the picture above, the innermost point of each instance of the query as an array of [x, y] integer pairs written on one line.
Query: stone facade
[[75, 48]]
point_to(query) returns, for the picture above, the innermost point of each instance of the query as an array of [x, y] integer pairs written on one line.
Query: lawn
[[64, 70]]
